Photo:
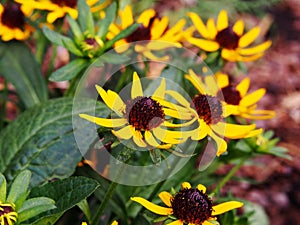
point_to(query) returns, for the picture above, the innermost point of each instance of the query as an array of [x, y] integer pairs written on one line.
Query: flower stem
[[229, 175]]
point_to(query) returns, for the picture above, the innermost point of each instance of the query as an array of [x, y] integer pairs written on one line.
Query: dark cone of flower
[[192, 206], [227, 38], [69, 3], [230, 94], [12, 16], [144, 113]]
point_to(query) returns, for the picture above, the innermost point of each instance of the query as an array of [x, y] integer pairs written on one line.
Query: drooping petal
[[150, 55], [253, 97], [243, 86], [256, 49], [138, 139], [254, 133], [195, 80], [124, 133], [238, 27], [198, 23], [259, 114], [221, 143], [200, 132], [225, 207], [150, 139], [111, 123], [178, 114], [249, 37], [206, 45], [166, 198], [186, 185], [232, 131], [136, 89], [249, 58], [222, 21], [152, 207], [201, 187]]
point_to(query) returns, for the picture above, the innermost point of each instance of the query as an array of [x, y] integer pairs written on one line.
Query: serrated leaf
[[85, 17], [34, 206], [67, 192], [19, 67], [122, 34], [69, 71], [19, 187], [2, 188], [110, 14], [42, 140]]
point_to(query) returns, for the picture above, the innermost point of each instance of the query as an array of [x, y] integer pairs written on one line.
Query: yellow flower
[[12, 23], [57, 8], [153, 30], [142, 118], [8, 214], [190, 206], [210, 112], [230, 39], [113, 223], [242, 103]]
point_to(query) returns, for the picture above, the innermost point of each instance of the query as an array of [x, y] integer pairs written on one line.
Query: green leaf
[[34, 206], [85, 17], [42, 140], [122, 34], [69, 71], [84, 206], [54, 37], [71, 46], [113, 58], [19, 67], [75, 28], [46, 220], [258, 216], [110, 14], [18, 190], [67, 192], [2, 188]]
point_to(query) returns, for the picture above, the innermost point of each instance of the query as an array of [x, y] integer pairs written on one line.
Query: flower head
[[153, 30], [241, 102], [231, 40], [190, 206], [12, 22], [142, 118], [210, 112], [57, 8]]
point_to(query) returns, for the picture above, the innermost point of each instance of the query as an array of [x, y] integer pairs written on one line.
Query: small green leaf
[[69, 71], [258, 216], [19, 67], [113, 58], [84, 206], [85, 17], [34, 206], [46, 220], [71, 46], [67, 192], [2, 188], [19, 187], [110, 14], [122, 34], [75, 28], [54, 37]]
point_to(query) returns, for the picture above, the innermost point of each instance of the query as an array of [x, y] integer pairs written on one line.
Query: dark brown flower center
[[208, 108], [230, 94], [7, 213], [192, 206], [69, 3], [92, 42], [144, 113], [12, 16], [227, 38]]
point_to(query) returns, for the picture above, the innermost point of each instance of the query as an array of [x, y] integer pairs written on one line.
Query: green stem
[[229, 175], [3, 107], [111, 189]]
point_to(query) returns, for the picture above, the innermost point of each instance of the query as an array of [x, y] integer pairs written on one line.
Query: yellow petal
[[114, 223], [152, 207], [249, 37], [170, 137], [138, 139], [104, 122], [136, 89], [117, 103], [146, 16], [161, 44], [126, 17], [206, 222], [176, 29], [212, 84], [253, 97], [249, 58], [201, 132], [229, 110], [52, 16], [158, 27], [201, 187], [124, 133], [179, 98], [254, 133], [222, 79], [212, 30], [160, 91], [166, 198], [259, 114], [150, 55], [196, 81], [238, 27], [225, 207], [198, 23], [177, 114], [222, 21], [232, 131], [243, 86], [176, 222], [186, 185], [206, 45], [150, 139], [257, 49], [221, 143]]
